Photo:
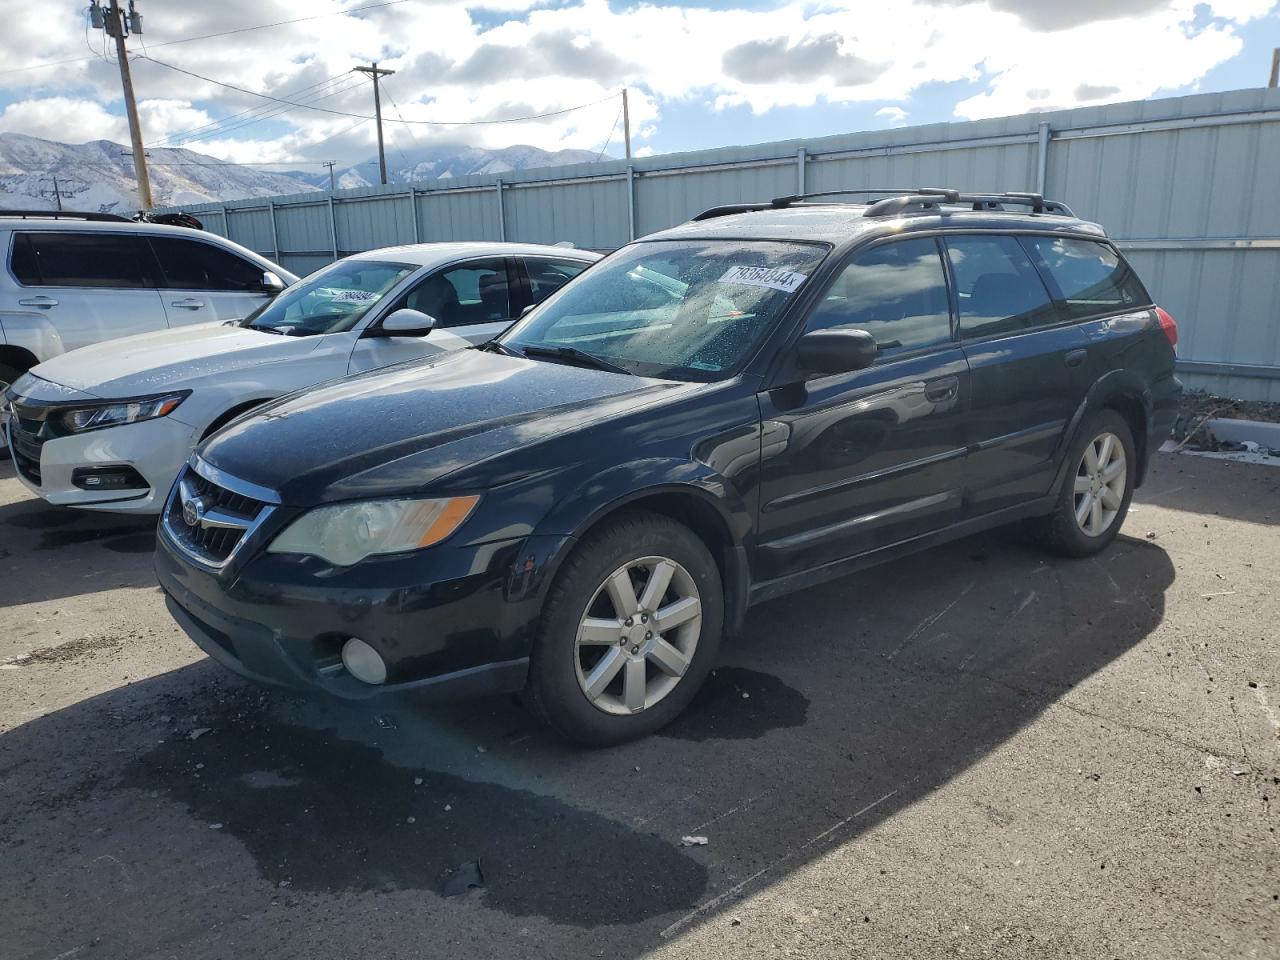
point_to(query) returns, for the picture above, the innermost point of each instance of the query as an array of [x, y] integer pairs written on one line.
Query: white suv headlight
[[346, 533], [99, 415]]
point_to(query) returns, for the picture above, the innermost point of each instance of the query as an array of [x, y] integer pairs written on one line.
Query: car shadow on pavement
[[115, 548], [190, 810], [1195, 485]]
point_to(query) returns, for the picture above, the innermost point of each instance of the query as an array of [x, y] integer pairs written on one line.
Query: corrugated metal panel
[[591, 215], [369, 224], [1184, 169], [469, 215], [251, 228]]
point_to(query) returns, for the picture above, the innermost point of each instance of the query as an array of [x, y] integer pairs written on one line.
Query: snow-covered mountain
[[98, 175], [442, 161]]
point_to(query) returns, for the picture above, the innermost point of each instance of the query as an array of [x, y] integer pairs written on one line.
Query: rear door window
[[998, 290], [548, 276], [194, 265], [1091, 278], [897, 292], [86, 260]]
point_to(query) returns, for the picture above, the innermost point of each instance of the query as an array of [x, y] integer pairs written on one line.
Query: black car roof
[[840, 223]]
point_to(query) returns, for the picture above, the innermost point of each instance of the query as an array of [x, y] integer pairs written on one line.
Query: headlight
[[348, 532], [97, 416]]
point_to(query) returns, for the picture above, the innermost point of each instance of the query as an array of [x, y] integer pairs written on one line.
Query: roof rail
[[64, 215], [893, 200], [929, 199]]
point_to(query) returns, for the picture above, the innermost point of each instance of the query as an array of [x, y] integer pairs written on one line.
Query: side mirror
[[405, 323], [836, 350], [271, 283]]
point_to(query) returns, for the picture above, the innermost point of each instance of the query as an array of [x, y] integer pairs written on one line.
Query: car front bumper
[[448, 621], [156, 449]]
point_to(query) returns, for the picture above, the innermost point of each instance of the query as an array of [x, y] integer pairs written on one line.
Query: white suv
[[72, 279]]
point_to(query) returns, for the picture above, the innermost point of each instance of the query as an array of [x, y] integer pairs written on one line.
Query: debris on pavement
[[385, 722], [199, 732], [693, 841]]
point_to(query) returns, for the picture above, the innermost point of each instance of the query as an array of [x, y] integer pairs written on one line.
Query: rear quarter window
[[1090, 277]]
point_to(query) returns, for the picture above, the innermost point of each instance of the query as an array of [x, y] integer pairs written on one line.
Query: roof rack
[[64, 215], [894, 200]]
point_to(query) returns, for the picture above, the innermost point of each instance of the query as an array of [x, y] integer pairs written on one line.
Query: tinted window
[[997, 288], [897, 292], [23, 261], [1091, 277], [192, 265], [90, 260], [548, 276], [472, 293], [333, 299], [676, 309]]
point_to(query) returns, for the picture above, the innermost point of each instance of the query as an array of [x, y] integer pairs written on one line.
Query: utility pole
[[626, 122], [374, 72], [1275, 68], [57, 193], [118, 24], [329, 164]]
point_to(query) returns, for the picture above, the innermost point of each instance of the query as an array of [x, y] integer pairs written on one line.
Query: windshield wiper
[[574, 355], [497, 346]]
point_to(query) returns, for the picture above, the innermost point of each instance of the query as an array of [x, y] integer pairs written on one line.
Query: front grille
[[211, 540], [27, 435]]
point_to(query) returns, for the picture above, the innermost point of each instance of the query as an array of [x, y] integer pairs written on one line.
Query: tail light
[[1168, 325]]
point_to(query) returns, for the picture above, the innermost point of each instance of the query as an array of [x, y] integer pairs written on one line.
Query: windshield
[[678, 310], [331, 300]]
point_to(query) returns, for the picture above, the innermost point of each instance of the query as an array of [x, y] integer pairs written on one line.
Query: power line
[[261, 114], [612, 131], [364, 116], [209, 36]]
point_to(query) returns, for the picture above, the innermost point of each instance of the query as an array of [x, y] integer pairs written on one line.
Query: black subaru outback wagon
[[764, 398]]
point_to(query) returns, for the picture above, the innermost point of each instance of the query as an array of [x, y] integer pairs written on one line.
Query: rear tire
[[8, 374], [629, 631], [1094, 499]]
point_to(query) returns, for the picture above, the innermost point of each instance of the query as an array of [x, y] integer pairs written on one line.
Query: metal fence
[[1189, 187]]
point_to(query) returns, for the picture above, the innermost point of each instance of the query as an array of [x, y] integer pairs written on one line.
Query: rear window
[[998, 290], [1090, 277], [82, 260]]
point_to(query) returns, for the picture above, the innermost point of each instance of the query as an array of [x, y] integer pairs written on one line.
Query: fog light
[[108, 478], [363, 662]]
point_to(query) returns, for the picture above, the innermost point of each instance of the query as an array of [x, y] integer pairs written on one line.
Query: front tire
[[629, 632], [1095, 494]]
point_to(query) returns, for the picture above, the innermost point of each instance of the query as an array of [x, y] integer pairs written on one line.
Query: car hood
[[152, 362], [396, 430]]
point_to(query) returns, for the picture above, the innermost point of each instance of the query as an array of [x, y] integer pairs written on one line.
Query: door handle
[[940, 391], [45, 302], [1075, 357], [191, 303]]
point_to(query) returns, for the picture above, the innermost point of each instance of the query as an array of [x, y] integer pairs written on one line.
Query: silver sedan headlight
[[346, 533], [97, 416]]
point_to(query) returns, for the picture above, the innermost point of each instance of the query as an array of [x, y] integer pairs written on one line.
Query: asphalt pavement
[[979, 751]]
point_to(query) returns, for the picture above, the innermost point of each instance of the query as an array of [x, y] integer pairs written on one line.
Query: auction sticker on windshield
[[787, 281]]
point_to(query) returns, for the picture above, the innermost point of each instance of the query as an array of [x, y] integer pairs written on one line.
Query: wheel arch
[[222, 419], [695, 506], [1128, 395], [19, 358]]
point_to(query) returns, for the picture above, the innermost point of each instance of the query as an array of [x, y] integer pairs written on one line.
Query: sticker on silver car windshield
[[785, 280]]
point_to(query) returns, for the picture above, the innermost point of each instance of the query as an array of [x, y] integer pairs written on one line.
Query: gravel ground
[[975, 752]]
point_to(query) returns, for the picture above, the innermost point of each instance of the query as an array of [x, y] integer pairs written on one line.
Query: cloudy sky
[[700, 75]]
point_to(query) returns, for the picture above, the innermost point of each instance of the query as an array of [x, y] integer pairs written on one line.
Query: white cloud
[[548, 55], [63, 118]]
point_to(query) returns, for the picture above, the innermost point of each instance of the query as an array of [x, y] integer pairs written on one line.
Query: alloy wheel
[[637, 636], [1099, 484]]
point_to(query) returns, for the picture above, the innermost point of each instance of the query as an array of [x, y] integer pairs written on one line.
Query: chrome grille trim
[[224, 528]]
